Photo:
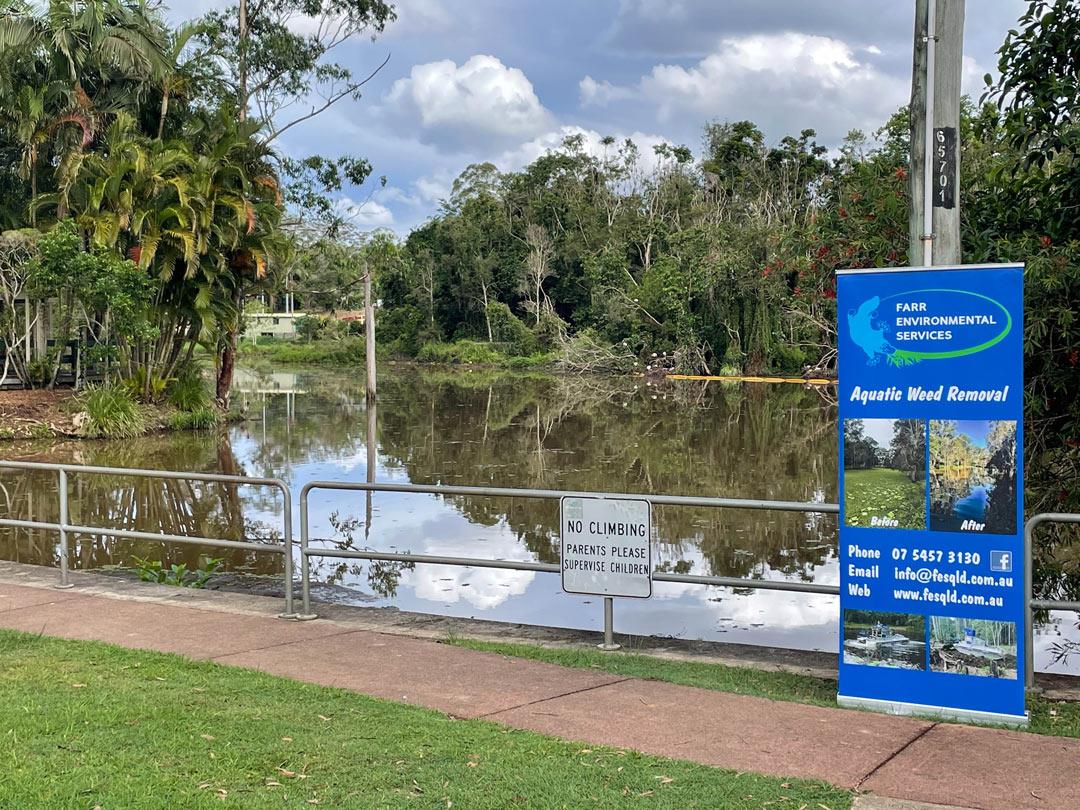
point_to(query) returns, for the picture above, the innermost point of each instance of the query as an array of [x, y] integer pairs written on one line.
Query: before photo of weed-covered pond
[[885, 473], [973, 476]]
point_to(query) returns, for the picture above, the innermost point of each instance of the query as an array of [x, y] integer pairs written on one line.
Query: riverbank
[[349, 352], [65, 414]]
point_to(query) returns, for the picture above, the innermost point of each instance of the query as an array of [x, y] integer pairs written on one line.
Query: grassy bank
[[1060, 718], [107, 411], [349, 351], [86, 724]]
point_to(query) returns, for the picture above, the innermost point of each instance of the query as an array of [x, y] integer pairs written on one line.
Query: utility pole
[[934, 174]]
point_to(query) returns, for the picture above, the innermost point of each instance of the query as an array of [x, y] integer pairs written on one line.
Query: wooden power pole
[[939, 48]]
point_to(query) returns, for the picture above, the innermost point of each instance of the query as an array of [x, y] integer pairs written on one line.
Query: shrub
[[460, 351], [791, 359], [188, 391], [199, 419], [177, 575], [110, 411], [509, 330], [402, 329], [151, 392]]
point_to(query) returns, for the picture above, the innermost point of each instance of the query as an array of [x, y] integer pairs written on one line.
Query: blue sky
[[976, 431], [503, 80]]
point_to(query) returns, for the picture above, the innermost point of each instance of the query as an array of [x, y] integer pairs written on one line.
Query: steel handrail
[[1030, 604], [64, 527], [306, 551]]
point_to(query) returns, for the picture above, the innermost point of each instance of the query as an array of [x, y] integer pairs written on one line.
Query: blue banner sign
[[931, 491]]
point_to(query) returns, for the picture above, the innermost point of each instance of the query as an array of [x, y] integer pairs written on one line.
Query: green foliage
[[188, 391], [177, 575], [201, 418], [516, 338], [348, 351], [466, 352], [321, 327], [147, 387], [403, 330], [111, 412]]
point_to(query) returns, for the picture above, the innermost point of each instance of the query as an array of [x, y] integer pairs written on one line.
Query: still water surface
[[484, 428]]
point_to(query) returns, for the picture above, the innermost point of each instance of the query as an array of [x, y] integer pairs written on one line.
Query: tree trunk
[[164, 112], [487, 318], [228, 353]]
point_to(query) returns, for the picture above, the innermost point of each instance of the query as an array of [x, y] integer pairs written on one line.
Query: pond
[[475, 427]]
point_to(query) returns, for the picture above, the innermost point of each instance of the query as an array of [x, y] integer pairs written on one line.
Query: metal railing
[[1031, 605], [65, 528], [306, 551]]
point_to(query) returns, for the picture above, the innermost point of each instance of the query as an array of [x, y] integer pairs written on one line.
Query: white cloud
[[592, 142], [368, 214], [479, 99], [602, 93], [418, 17], [774, 80]]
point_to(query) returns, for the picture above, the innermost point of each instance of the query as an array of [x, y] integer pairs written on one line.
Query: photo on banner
[[885, 473], [973, 476]]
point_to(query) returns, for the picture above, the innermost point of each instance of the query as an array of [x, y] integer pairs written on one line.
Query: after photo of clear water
[[973, 476], [973, 647], [881, 639], [885, 473]]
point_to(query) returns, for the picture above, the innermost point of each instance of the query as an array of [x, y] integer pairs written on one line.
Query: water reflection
[[470, 427]]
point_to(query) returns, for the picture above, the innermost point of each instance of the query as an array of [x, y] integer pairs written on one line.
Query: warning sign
[[606, 546]]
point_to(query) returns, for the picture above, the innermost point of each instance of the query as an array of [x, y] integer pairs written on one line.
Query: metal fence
[[65, 528], [307, 551]]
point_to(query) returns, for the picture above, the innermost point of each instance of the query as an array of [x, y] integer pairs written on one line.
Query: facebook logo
[[1001, 561]]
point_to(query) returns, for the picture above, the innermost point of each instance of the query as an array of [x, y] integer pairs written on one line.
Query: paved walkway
[[900, 758]]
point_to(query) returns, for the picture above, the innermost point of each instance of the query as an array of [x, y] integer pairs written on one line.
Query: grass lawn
[[884, 493], [88, 725], [1059, 718]]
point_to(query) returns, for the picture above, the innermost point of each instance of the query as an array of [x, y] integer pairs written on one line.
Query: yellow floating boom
[[799, 380]]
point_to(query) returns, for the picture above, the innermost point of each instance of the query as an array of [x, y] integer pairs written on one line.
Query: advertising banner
[[931, 490]]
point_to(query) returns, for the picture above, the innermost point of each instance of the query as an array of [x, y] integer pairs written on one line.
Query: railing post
[[609, 644], [286, 495], [305, 613], [1029, 619], [63, 492]]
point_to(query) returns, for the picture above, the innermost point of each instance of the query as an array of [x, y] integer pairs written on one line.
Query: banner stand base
[[942, 712]]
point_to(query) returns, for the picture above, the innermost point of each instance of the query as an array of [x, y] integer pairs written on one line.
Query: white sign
[[606, 546]]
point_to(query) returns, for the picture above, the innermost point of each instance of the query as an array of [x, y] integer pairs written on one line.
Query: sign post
[[931, 491], [606, 551]]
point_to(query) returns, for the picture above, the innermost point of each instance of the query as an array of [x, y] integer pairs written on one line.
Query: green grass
[[348, 351], [203, 418], [85, 724], [883, 492], [721, 678], [1057, 718], [111, 412]]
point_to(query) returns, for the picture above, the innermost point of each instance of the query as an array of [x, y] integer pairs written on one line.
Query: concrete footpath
[[888, 757]]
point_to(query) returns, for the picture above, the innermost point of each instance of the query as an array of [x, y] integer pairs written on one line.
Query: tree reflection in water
[[461, 426]]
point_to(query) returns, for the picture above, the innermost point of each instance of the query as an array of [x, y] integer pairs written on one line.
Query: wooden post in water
[[369, 332]]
